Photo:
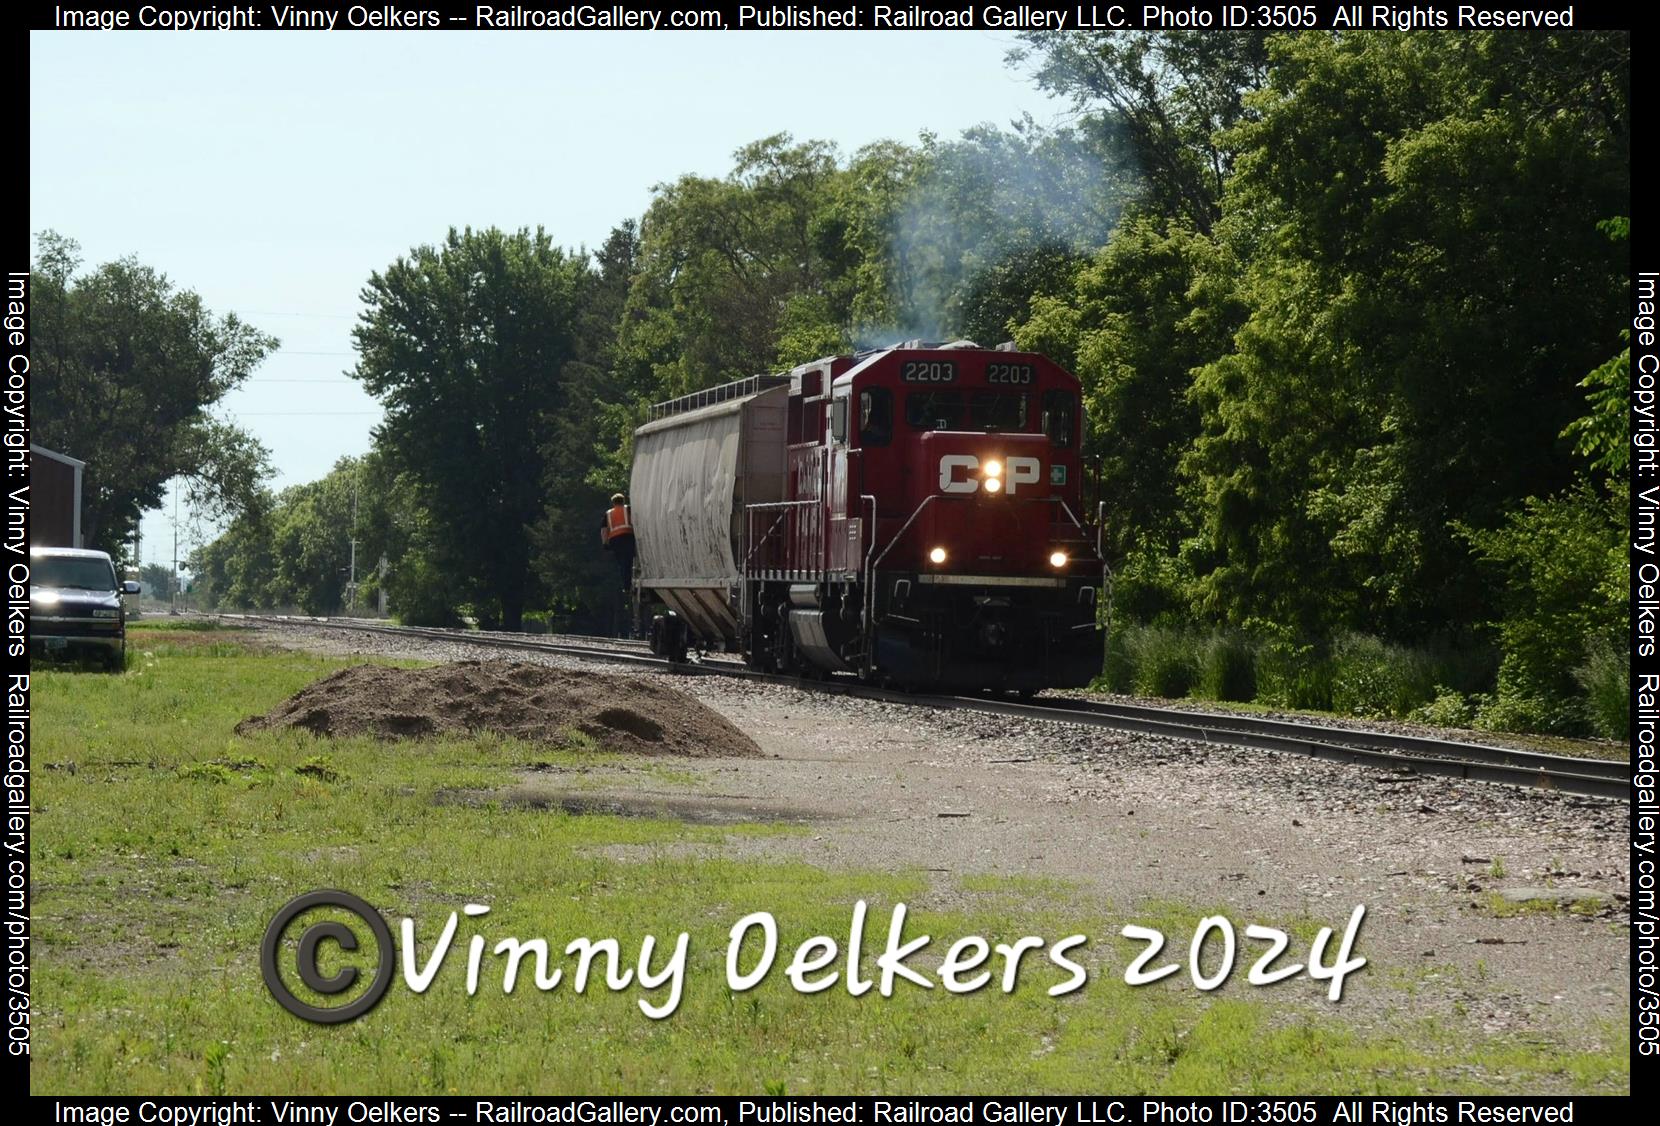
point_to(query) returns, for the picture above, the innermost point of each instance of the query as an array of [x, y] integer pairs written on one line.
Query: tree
[[311, 538], [238, 568], [467, 345], [719, 262], [1415, 216], [578, 580], [125, 370], [1164, 101], [1564, 565], [1133, 327], [156, 580]]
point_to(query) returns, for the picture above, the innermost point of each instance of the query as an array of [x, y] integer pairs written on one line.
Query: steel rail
[[1483, 753], [1602, 778]]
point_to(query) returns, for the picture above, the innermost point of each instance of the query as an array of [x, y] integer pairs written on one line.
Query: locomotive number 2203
[[928, 371], [1009, 373]]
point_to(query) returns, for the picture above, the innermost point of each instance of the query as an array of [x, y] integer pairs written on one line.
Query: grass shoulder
[[164, 844]]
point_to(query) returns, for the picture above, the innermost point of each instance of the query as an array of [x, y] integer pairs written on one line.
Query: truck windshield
[[71, 572]]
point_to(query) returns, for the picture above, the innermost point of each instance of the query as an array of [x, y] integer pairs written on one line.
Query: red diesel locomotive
[[912, 515]]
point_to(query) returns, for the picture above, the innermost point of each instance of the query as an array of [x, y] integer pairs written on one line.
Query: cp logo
[[1018, 471]]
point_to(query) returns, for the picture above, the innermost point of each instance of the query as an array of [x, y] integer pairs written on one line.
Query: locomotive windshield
[[986, 410], [934, 410], [996, 410]]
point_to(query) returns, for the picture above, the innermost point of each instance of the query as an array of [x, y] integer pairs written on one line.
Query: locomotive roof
[[866, 359]]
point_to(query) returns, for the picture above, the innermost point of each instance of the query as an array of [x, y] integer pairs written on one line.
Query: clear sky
[[272, 173]]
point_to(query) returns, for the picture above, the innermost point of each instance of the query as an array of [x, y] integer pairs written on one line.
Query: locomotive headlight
[[937, 555], [994, 469], [1057, 559], [991, 484]]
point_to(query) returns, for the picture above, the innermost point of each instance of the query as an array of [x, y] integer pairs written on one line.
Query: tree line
[[1347, 309]]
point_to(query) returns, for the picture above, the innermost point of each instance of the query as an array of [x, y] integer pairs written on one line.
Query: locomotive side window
[[996, 410], [1060, 412], [934, 410], [838, 419], [928, 371], [875, 416]]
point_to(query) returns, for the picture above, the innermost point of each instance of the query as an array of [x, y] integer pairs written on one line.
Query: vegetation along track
[[1411, 753]]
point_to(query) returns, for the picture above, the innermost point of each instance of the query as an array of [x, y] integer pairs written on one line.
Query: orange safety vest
[[616, 522]]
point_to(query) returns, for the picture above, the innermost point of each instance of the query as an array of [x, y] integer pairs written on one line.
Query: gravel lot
[[1130, 820]]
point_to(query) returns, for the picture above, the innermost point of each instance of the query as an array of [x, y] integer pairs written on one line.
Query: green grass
[[164, 843], [165, 624], [1501, 908], [1434, 683]]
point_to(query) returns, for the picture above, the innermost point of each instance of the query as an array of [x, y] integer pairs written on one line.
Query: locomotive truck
[[911, 515]]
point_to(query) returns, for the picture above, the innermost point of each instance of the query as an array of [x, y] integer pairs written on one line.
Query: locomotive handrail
[[751, 509], [870, 577], [1076, 523], [870, 582], [899, 535]]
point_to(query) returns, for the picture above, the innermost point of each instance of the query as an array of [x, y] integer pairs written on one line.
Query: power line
[[324, 316]]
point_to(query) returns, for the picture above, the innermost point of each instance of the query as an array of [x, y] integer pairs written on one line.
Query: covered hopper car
[[911, 515]]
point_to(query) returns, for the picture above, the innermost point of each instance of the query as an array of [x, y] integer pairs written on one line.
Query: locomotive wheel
[[668, 637], [785, 660], [675, 636], [759, 656]]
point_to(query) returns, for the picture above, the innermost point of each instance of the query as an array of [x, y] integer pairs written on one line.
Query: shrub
[[1565, 570], [1606, 678], [1290, 675], [1148, 588], [420, 594], [1448, 709], [1372, 678], [1166, 661], [1118, 673], [1516, 712], [1227, 669]]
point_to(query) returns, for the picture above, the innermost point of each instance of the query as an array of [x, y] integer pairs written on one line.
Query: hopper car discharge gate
[[907, 515]]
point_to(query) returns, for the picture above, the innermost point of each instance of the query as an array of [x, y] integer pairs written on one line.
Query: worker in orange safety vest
[[617, 534]]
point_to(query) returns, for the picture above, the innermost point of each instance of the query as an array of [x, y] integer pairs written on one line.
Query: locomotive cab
[[929, 534]]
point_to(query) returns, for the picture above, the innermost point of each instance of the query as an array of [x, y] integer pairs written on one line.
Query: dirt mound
[[532, 702]]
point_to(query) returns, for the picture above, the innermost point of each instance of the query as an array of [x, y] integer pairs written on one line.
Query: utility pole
[[175, 606], [351, 573]]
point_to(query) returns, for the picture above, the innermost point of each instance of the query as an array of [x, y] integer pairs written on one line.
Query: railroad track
[[1407, 754]]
